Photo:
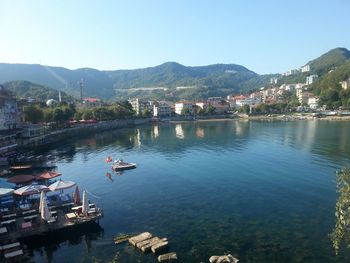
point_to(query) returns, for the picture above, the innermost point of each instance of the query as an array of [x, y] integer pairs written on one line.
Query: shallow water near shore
[[263, 191]]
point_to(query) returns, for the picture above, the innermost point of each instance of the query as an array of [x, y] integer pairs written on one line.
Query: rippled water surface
[[262, 191]]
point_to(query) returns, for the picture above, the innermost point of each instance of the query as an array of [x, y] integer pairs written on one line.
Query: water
[[262, 191]]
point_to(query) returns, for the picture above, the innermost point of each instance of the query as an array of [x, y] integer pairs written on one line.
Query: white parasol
[[85, 205], [60, 185], [31, 189]]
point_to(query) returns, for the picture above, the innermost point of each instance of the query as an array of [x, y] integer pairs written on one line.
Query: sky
[[267, 36]]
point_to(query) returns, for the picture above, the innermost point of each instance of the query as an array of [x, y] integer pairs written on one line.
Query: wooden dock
[[26, 226]]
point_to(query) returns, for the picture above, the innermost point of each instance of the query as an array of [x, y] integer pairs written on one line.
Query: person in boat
[[119, 161]]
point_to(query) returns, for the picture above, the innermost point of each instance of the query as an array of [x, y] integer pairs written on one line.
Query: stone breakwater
[[79, 130]]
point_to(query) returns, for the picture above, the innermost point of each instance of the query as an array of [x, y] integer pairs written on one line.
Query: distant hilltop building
[[311, 79], [273, 80], [305, 68], [290, 72], [345, 84]]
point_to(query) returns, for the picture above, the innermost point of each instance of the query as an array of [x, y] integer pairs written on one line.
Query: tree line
[[60, 113]]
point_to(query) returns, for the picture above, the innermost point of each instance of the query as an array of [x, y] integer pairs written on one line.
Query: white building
[[273, 80], [345, 84], [313, 102], [9, 113], [182, 105], [140, 106], [161, 109], [305, 68], [311, 79]]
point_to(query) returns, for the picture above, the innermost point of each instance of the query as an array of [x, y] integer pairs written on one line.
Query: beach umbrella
[[31, 189], [76, 196], [61, 185], [21, 179], [5, 191], [44, 209], [42, 196], [85, 205], [47, 175]]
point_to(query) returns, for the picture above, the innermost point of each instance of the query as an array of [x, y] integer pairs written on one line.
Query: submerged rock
[[223, 259]]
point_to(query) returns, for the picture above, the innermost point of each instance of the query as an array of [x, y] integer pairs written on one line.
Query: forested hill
[[212, 80], [26, 89], [172, 80]]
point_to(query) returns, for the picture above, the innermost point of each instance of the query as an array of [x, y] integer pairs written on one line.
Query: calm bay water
[[262, 191]]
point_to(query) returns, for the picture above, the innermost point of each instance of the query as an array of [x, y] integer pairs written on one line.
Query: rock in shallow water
[[223, 259]]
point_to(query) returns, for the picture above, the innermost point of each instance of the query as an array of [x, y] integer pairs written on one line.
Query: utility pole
[[81, 84]]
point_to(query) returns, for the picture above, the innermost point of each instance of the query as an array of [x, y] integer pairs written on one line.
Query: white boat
[[120, 165]]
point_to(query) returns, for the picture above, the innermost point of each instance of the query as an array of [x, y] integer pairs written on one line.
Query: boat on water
[[120, 165]]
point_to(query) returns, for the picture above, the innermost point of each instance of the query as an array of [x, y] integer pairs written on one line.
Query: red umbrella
[[21, 179], [47, 175]]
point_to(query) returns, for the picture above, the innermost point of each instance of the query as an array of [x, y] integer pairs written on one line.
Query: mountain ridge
[[209, 80]]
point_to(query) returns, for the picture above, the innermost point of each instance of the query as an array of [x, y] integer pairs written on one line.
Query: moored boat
[[120, 165]]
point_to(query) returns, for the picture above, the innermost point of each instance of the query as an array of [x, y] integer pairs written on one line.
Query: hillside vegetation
[[26, 89]]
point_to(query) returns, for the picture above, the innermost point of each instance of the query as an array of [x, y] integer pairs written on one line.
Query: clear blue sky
[[265, 36]]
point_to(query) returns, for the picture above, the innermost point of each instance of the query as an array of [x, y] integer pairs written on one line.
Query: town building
[[10, 117], [273, 80], [305, 68], [311, 79], [345, 84], [183, 105], [161, 109], [313, 102], [140, 106]]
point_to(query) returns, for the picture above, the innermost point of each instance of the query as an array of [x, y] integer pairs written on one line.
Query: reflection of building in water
[[200, 132], [155, 131], [179, 131], [305, 134], [138, 138], [240, 127]]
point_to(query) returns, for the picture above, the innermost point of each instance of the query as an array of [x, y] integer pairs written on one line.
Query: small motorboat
[[120, 165]]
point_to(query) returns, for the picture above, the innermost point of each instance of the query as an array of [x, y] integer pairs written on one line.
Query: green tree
[[33, 114], [341, 232], [48, 115], [185, 111], [211, 109]]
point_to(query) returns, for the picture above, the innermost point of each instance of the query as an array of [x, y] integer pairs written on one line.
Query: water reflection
[[85, 236], [330, 139], [179, 131]]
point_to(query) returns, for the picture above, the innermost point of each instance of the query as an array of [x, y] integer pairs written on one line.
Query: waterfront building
[[32, 134], [161, 109], [313, 102], [140, 106], [182, 105], [9, 113], [202, 104], [311, 79]]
